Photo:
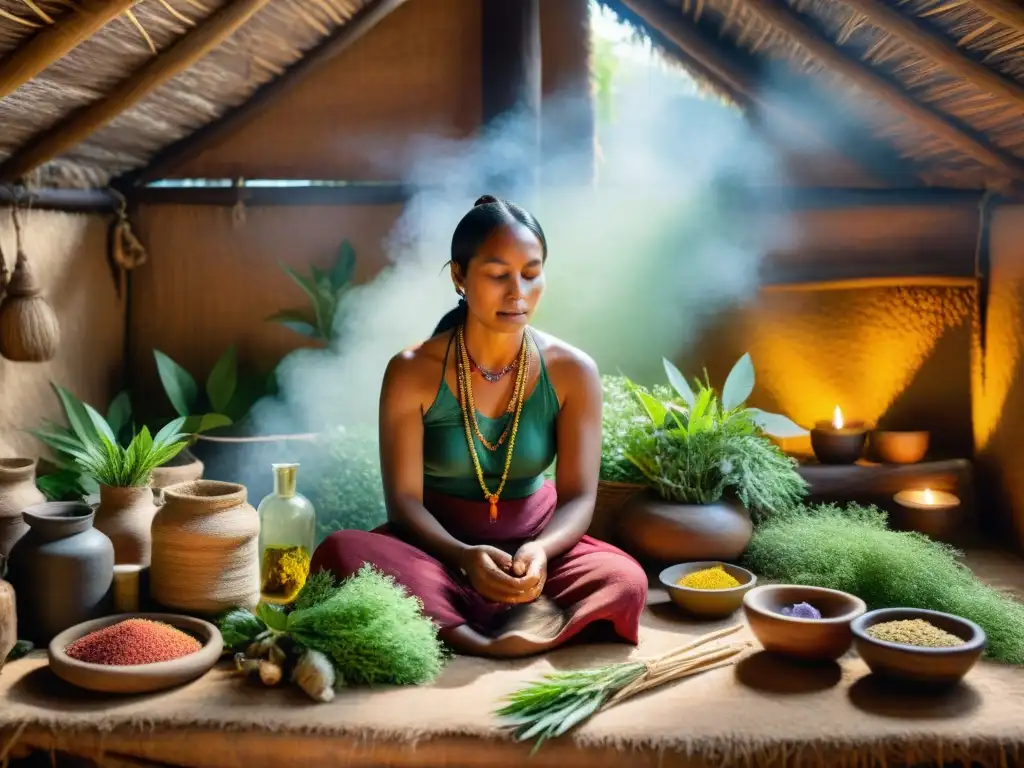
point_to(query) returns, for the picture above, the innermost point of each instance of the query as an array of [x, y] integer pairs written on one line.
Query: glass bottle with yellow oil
[[287, 536]]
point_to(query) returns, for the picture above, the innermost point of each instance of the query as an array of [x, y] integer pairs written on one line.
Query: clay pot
[[655, 531], [205, 556], [125, 516], [61, 570], [183, 468], [17, 491], [8, 621]]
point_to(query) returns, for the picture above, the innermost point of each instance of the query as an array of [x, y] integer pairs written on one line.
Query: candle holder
[[900, 447], [936, 514], [838, 445]]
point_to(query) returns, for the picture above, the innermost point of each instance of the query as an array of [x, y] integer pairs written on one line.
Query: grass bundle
[[562, 700], [852, 550]]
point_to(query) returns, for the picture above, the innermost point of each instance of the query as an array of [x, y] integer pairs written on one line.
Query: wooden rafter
[[938, 48], [1008, 12], [56, 40], [185, 52], [963, 137], [743, 84], [177, 153]]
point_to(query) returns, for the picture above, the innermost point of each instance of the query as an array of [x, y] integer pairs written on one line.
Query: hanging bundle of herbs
[[366, 630]]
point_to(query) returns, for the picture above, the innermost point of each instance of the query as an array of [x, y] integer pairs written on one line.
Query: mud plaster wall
[[998, 383], [68, 255]]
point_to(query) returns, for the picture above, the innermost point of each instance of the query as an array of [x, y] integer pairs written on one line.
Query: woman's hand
[[489, 572], [530, 566]]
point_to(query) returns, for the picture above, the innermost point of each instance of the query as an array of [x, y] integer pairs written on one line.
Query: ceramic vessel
[[205, 549], [61, 570], [183, 468], [826, 638], [707, 603], [8, 620], [125, 516], [657, 531], [938, 667], [900, 447], [139, 678], [17, 491]]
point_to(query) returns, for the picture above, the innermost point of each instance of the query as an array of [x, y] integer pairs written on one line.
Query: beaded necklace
[[515, 406]]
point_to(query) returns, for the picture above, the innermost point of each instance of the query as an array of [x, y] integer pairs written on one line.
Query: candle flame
[[928, 496], [837, 418]]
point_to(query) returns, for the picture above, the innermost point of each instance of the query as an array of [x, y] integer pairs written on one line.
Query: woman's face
[[505, 279]]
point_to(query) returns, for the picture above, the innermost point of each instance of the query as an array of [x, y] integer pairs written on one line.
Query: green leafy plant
[[86, 424], [325, 291], [110, 464], [852, 549], [621, 414], [701, 450], [226, 398]]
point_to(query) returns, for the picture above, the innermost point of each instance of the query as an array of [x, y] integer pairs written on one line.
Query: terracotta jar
[[205, 557], [659, 532], [125, 516], [183, 468], [17, 491], [61, 570]]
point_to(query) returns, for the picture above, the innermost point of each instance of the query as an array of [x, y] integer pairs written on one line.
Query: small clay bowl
[[894, 447], [823, 639], [137, 678], [912, 664], [707, 603]]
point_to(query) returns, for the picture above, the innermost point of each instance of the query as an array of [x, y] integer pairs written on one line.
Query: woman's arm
[[578, 434], [401, 462]]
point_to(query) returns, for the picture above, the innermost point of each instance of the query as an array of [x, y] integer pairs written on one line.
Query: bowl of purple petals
[[800, 621]]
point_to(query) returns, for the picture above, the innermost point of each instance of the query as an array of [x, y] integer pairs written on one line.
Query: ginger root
[[315, 674]]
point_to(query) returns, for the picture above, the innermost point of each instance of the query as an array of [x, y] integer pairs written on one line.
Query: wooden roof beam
[[185, 52], [172, 157], [938, 48], [54, 41], [961, 136], [1008, 12], [712, 62]]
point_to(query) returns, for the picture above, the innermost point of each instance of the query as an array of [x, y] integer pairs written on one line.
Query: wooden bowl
[[707, 603], [908, 663], [826, 638], [137, 678], [895, 447]]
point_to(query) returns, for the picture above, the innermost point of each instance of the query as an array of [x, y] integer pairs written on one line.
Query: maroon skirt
[[594, 582]]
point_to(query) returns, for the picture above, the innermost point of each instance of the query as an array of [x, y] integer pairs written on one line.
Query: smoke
[[638, 262]]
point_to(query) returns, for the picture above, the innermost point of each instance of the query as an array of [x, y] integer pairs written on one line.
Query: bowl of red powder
[[135, 653]]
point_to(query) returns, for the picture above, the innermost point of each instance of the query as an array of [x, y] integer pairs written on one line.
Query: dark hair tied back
[[487, 215]]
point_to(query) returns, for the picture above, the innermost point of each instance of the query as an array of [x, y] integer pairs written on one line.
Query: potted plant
[[708, 465], [126, 509]]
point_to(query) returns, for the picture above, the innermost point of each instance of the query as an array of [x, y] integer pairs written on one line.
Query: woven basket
[[610, 498]]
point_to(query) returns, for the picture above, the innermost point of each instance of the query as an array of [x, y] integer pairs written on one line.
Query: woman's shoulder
[[417, 368]]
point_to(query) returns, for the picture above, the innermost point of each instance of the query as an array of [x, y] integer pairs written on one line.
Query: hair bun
[[485, 199]]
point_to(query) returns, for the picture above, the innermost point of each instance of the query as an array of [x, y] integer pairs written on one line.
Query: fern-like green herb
[[111, 464], [852, 550], [621, 414], [373, 631], [318, 587]]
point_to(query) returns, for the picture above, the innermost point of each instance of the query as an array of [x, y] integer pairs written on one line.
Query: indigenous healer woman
[[469, 421]]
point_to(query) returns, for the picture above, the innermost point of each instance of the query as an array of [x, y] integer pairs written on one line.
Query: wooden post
[[510, 60]]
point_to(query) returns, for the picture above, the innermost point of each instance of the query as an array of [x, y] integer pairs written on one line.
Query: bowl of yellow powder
[[709, 589], [914, 645]]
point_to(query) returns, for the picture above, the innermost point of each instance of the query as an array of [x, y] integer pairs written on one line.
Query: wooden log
[[779, 15], [1008, 12], [170, 158], [355, 193], [510, 61], [66, 200], [56, 40], [938, 48], [185, 52]]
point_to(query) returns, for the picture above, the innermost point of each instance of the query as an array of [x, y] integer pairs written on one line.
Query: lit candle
[[838, 441], [926, 499]]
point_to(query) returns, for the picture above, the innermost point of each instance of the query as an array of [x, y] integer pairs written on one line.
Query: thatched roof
[[918, 91], [937, 84]]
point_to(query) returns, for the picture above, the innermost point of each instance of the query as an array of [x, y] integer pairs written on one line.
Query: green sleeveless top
[[447, 465]]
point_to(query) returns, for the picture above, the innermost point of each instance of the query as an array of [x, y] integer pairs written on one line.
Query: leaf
[[306, 284], [654, 408], [678, 382], [239, 627], [57, 441], [119, 412], [170, 432], [100, 423], [248, 390], [296, 320], [344, 266], [179, 385], [776, 424], [220, 384], [738, 384], [78, 417], [272, 616], [195, 425]]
